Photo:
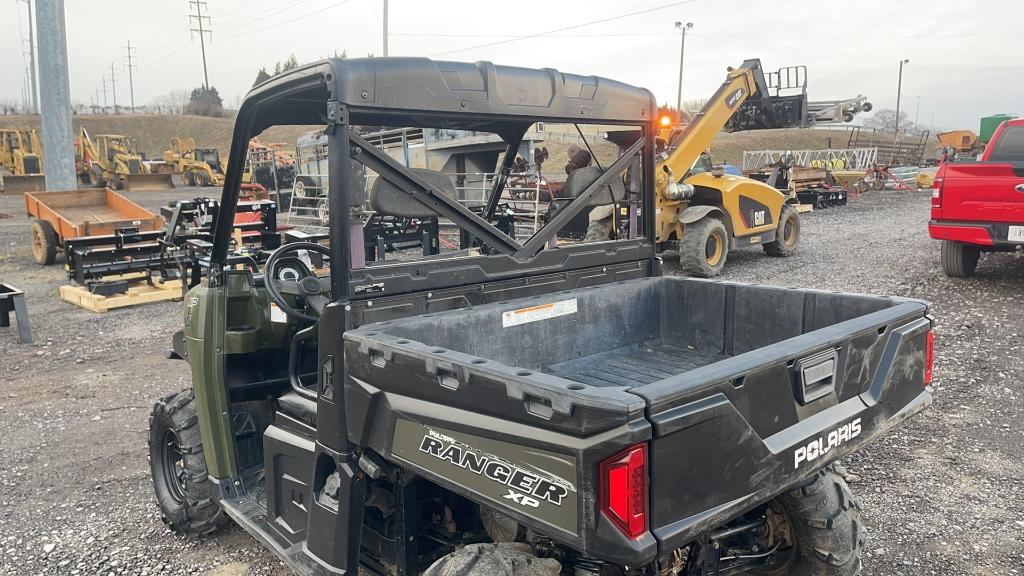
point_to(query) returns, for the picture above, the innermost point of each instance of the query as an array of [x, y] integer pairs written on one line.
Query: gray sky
[[963, 64]]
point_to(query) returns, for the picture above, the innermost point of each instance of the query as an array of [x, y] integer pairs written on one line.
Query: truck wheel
[[505, 559], [787, 234], [115, 182], [44, 242], [958, 259], [599, 230], [186, 497], [824, 521], [704, 247], [189, 178]]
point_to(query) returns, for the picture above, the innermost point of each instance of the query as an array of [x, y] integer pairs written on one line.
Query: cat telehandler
[[704, 213]]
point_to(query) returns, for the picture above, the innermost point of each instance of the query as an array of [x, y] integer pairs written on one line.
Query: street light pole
[[899, 90], [682, 52]]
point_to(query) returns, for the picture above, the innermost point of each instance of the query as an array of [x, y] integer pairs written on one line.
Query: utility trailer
[[541, 407], [65, 214]]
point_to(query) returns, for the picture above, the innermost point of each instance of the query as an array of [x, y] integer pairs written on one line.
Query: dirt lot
[[943, 495]]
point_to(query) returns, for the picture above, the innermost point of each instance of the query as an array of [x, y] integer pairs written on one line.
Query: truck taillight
[[929, 357], [937, 192], [624, 490]]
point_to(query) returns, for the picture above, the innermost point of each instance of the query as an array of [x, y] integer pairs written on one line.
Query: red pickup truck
[[978, 206]]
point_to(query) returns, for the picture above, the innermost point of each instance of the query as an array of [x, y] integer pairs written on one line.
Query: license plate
[[1016, 234]]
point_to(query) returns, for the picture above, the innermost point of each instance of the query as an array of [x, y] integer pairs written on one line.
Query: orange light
[[666, 120]]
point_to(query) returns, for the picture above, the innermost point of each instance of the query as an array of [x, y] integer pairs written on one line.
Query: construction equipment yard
[[80, 500]]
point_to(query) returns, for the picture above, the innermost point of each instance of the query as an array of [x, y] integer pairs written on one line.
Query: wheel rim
[[322, 212], [38, 248], [789, 233], [714, 248], [173, 466], [299, 189]]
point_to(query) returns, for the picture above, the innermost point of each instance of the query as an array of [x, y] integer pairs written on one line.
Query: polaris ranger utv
[[515, 406]]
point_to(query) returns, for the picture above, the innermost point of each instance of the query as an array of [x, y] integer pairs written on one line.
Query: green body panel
[[529, 480], [989, 125], [205, 310]]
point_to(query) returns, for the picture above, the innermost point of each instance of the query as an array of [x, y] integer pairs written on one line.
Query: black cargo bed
[[635, 365]]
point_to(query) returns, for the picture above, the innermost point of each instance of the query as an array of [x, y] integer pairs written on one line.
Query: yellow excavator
[[111, 160], [703, 213], [197, 166], [21, 156]]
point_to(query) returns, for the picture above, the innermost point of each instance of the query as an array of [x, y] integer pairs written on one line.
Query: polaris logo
[[537, 488], [818, 448]]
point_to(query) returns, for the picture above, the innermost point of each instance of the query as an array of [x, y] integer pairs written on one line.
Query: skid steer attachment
[[147, 182], [22, 184]]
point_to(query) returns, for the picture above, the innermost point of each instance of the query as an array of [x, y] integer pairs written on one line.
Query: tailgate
[[732, 435], [982, 192]]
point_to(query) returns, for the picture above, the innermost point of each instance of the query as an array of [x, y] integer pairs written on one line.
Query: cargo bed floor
[[635, 365]]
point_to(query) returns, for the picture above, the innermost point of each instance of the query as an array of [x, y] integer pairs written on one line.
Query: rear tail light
[[624, 490], [929, 357], [937, 192]]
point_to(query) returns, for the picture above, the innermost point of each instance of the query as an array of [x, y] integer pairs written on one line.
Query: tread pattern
[[959, 260], [199, 514], [691, 248], [49, 238], [777, 247], [826, 522]]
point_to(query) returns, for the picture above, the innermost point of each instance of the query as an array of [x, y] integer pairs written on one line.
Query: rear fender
[[695, 213]]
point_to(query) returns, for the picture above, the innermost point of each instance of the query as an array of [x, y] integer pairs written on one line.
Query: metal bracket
[[13, 300]]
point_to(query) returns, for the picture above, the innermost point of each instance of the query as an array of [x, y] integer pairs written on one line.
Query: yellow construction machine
[[197, 166], [703, 213], [22, 157], [111, 160]]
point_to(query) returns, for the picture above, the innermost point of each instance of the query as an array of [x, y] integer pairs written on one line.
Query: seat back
[[580, 179], [387, 198]]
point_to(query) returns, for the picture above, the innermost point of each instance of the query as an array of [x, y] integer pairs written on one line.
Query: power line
[[564, 28], [198, 17], [131, 80], [253, 16], [280, 24]]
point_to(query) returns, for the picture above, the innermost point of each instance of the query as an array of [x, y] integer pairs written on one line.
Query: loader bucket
[[144, 182], [22, 184]]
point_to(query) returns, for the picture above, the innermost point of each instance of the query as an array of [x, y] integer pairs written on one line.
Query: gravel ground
[[942, 494]]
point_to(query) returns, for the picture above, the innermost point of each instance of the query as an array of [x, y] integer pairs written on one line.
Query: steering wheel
[[286, 273]]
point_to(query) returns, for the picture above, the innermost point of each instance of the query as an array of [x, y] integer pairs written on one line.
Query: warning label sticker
[[539, 312]]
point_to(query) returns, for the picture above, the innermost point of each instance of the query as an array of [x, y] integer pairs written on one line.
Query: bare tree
[[885, 120]]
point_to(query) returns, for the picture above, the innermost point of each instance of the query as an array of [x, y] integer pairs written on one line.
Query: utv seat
[[387, 198], [299, 407]]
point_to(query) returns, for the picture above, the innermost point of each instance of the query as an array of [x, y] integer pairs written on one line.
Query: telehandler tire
[[787, 234], [505, 559], [186, 497], [825, 522], [704, 247], [44, 242], [959, 260]]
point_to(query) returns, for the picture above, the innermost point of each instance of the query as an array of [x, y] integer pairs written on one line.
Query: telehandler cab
[[514, 406]]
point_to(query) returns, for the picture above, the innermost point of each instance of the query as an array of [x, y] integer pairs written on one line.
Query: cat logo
[[758, 217]]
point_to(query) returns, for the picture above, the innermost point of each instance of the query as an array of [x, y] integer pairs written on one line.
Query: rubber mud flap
[[505, 559]]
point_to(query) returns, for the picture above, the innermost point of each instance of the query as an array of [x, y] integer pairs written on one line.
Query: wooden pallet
[[139, 292]]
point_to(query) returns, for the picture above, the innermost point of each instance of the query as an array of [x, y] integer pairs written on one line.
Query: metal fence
[[834, 159]]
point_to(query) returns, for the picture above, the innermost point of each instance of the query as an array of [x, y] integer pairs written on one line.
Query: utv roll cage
[[417, 92]]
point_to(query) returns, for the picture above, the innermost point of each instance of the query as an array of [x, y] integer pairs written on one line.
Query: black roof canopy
[[428, 93]]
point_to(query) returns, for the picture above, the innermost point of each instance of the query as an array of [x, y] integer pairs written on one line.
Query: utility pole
[[682, 52], [899, 91], [131, 80], [96, 100], [32, 60], [113, 87], [55, 96], [104, 94], [198, 18], [917, 113], [385, 21]]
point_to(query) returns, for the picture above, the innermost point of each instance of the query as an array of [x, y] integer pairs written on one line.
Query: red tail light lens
[[624, 490], [929, 358], [937, 192]]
